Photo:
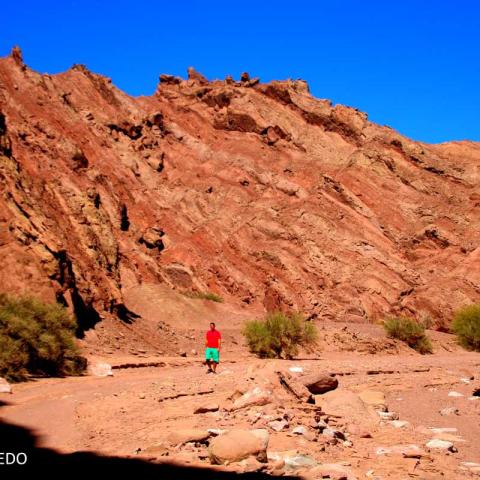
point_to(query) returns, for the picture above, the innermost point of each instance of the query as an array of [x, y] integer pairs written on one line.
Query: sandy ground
[[131, 412]]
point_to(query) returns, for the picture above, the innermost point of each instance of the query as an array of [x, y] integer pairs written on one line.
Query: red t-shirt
[[213, 338]]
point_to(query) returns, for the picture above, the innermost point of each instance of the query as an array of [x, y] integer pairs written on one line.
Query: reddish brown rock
[[267, 195], [318, 383]]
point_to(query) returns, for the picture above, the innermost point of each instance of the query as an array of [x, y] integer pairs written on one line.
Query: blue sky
[[413, 65]]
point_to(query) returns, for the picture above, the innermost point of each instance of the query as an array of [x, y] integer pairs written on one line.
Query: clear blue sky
[[413, 65]]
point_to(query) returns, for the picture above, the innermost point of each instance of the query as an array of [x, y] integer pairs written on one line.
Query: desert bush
[[279, 335], [36, 338], [466, 325], [409, 331], [213, 297]]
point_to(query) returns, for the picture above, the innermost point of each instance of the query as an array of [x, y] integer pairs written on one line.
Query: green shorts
[[212, 354]]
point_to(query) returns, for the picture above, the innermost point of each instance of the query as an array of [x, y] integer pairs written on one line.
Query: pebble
[[387, 415], [296, 369], [443, 430], [455, 394], [330, 432], [449, 411], [399, 423], [278, 425]]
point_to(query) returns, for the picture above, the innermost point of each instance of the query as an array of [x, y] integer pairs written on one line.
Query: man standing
[[212, 350]]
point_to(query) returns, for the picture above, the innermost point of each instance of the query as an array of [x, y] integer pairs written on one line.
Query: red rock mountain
[[258, 192]]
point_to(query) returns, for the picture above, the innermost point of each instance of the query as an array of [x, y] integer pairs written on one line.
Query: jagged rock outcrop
[[259, 192]]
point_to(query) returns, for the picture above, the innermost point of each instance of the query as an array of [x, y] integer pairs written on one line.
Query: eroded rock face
[[260, 192]]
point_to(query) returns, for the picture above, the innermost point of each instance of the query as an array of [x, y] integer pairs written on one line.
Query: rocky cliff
[[258, 192]]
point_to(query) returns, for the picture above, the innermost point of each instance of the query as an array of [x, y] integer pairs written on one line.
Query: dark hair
[[212, 323]]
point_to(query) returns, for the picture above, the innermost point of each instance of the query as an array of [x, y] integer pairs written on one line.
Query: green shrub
[[213, 297], [36, 338], [279, 335], [466, 325], [409, 331]]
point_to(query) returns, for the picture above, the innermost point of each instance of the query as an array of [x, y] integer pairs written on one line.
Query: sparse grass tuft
[[409, 331], [36, 338], [279, 335], [466, 325], [213, 297]]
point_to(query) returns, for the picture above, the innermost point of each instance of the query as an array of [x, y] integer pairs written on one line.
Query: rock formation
[[258, 192]]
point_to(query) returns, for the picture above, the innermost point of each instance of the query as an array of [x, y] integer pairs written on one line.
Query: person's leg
[[208, 360], [216, 359]]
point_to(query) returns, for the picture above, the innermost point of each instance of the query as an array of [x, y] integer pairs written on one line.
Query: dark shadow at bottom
[[15, 439]]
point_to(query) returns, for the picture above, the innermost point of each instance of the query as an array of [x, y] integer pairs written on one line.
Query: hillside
[[258, 192]]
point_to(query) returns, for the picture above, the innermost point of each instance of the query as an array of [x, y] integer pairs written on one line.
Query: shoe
[[209, 371]]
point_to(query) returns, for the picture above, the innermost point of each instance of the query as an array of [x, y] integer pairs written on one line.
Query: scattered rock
[[292, 460], [399, 423], [256, 396], [5, 387], [212, 407], [180, 437], [100, 369], [455, 394], [408, 451], [304, 431], [443, 429], [319, 383], [440, 445], [387, 415], [237, 445], [296, 369], [449, 411], [193, 352], [332, 433], [294, 386], [278, 425]]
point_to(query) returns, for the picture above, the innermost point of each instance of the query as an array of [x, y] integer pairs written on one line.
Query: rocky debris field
[[346, 416]]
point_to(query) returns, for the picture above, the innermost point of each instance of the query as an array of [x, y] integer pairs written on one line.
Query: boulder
[[180, 437], [440, 445], [294, 386], [319, 383], [100, 369], [256, 396], [237, 445]]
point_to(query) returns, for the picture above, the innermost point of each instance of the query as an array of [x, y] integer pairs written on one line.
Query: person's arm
[[206, 340], [219, 341]]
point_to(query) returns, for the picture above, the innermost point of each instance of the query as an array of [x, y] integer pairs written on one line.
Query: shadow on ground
[[43, 461]]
